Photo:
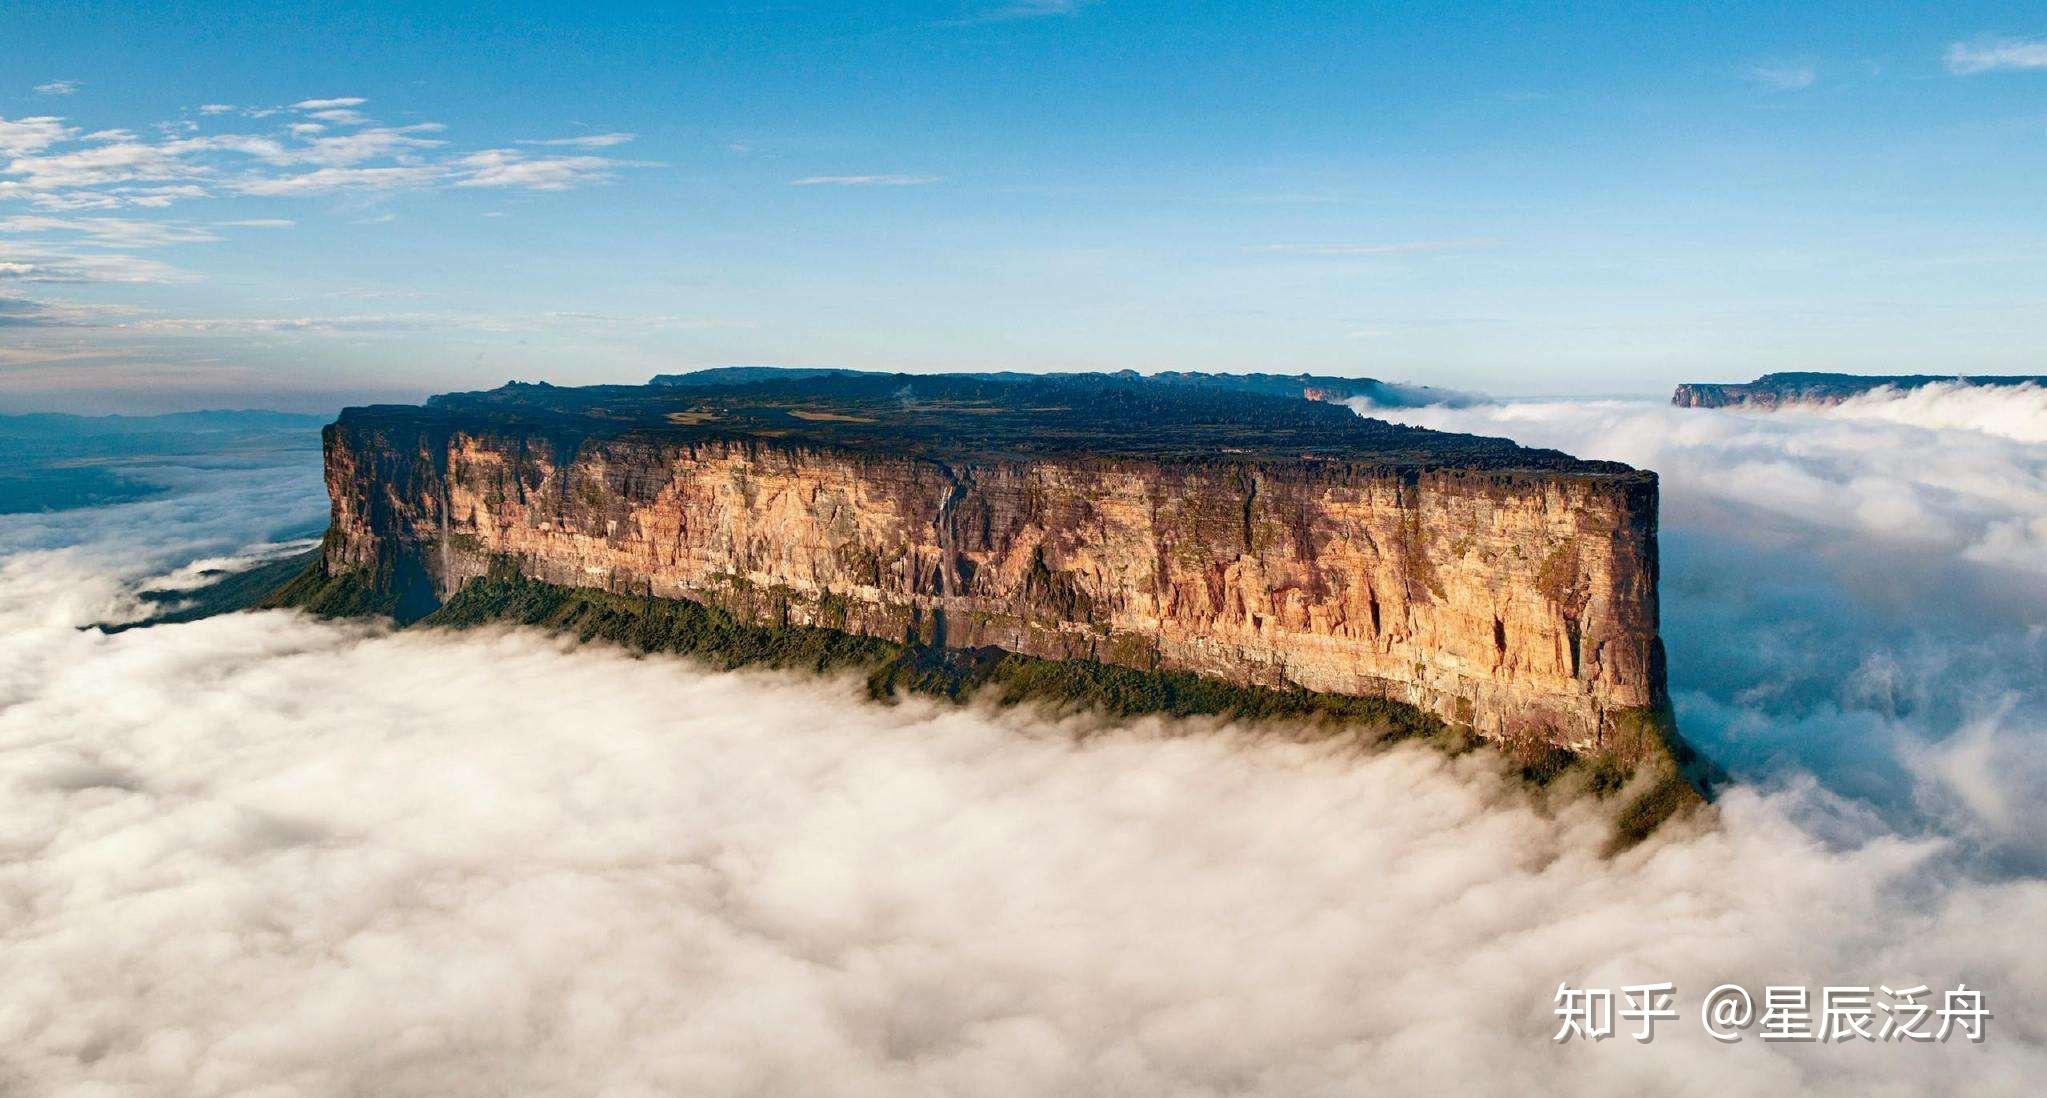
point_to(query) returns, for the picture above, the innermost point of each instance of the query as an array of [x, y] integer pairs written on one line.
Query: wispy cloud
[[23, 312], [27, 135], [511, 168], [1403, 247], [119, 232], [351, 323], [47, 163], [1782, 77], [330, 180], [36, 263], [58, 87], [369, 144], [78, 192], [1991, 54], [399, 322], [1013, 10], [340, 117], [866, 180], [586, 141]]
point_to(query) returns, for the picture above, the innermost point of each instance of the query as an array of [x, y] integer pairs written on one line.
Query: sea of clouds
[[264, 854]]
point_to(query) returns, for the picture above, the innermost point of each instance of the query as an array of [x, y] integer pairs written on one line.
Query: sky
[[299, 206]]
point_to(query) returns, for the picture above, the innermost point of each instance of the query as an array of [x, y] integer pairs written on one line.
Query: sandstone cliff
[[1257, 540]]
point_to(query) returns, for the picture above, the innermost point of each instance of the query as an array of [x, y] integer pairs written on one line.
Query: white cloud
[[328, 104], [369, 144], [1889, 466], [110, 231], [1014, 10], [341, 117], [457, 323], [21, 312], [261, 223], [49, 165], [2014, 412], [1404, 247], [216, 108], [511, 168], [36, 263], [264, 849], [157, 197], [1993, 54], [331, 180], [98, 165], [866, 180], [1783, 77], [58, 87], [586, 141], [28, 135], [1855, 589], [348, 323]]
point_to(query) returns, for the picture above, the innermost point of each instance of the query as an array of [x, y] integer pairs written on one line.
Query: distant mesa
[[1322, 387], [1815, 389]]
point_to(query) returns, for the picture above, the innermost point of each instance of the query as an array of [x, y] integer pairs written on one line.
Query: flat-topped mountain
[[1199, 529], [1777, 390]]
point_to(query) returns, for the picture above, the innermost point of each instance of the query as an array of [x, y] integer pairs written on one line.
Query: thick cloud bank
[[2015, 412], [1850, 593], [268, 855]]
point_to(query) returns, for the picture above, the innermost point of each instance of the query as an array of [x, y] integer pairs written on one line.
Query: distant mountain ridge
[[1778, 390], [38, 424], [1323, 387]]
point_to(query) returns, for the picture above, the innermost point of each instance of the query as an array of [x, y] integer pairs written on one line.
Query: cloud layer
[[270, 853], [1992, 54], [1855, 592], [98, 194], [314, 146]]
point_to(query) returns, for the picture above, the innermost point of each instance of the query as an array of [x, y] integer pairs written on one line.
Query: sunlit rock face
[[1507, 589]]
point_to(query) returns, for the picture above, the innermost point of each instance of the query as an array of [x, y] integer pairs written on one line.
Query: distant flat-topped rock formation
[[1779, 390], [1322, 387]]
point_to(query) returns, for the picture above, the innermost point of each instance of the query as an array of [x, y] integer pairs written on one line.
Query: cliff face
[[1777, 390], [1519, 601]]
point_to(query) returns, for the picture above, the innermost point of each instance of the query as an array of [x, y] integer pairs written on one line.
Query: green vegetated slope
[[226, 592]]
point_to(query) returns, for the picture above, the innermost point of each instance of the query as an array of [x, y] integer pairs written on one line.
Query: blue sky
[[1503, 197]]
